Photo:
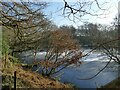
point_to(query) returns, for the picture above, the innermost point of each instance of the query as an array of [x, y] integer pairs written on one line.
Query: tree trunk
[[119, 27]]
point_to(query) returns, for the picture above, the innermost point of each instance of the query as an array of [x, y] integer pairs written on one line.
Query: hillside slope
[[28, 79]]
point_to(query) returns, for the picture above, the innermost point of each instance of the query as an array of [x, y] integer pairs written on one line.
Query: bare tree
[[25, 27], [59, 42], [23, 23]]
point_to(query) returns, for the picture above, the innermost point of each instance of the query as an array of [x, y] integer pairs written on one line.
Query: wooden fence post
[[15, 80]]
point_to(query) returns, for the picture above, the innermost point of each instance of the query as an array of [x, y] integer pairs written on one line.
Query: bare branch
[[79, 10]]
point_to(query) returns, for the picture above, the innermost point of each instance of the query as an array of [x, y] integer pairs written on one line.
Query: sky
[[54, 12]]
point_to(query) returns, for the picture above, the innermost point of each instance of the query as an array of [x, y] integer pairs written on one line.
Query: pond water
[[87, 70], [91, 65]]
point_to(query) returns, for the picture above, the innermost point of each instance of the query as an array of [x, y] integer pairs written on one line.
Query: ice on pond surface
[[92, 64]]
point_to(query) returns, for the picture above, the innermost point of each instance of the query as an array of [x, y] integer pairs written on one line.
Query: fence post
[[15, 80]]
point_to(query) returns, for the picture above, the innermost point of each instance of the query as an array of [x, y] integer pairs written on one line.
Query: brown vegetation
[[29, 79]]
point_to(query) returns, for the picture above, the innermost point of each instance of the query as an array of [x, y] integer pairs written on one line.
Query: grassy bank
[[28, 79]]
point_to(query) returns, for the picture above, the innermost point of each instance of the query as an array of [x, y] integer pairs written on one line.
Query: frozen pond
[[91, 65], [87, 70]]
